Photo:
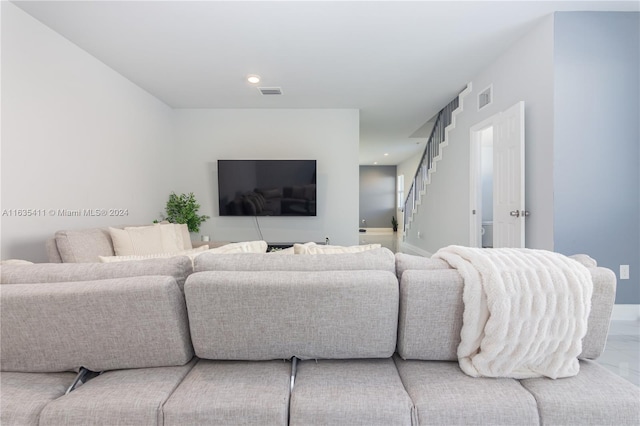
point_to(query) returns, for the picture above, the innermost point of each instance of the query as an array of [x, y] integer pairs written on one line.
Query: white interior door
[[508, 182]]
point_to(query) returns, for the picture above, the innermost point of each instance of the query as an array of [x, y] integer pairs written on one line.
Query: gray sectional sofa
[[264, 339]]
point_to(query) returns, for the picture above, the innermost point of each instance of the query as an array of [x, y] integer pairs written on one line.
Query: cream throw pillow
[[186, 237], [243, 247], [313, 248], [190, 253], [152, 239], [175, 235], [16, 262], [137, 240]]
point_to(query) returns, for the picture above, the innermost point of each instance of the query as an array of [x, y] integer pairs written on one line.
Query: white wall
[[329, 136], [75, 135], [523, 72]]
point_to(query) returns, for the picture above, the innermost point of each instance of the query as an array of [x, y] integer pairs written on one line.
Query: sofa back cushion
[[260, 316], [178, 267], [53, 255], [101, 325], [381, 259], [431, 307], [84, 245], [406, 262]]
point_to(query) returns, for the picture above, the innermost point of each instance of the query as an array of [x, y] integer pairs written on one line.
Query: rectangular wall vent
[[270, 90], [485, 97]]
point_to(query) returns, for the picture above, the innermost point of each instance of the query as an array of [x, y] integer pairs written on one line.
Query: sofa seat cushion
[[24, 395], [177, 267], [100, 325], [124, 397], [231, 393], [349, 392], [260, 316], [444, 395], [595, 396]]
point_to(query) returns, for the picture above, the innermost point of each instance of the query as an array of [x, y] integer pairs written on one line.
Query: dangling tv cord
[[258, 226]]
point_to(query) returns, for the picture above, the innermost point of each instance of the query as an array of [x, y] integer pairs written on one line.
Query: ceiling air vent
[[485, 97], [270, 90]]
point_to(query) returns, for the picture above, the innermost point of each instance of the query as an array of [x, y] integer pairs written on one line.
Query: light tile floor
[[386, 237], [622, 352]]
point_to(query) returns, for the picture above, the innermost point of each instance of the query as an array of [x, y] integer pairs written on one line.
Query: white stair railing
[[427, 165]]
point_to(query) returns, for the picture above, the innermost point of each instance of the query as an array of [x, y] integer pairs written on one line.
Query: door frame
[[475, 180]]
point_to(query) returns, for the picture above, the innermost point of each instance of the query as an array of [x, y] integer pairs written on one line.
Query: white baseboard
[[411, 249], [625, 313]]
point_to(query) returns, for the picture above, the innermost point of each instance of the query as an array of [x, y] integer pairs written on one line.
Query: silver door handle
[[518, 213]]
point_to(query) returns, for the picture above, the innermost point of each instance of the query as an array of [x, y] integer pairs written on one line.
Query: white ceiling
[[398, 62]]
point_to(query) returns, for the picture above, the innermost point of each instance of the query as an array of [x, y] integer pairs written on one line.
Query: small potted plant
[[394, 223], [184, 208]]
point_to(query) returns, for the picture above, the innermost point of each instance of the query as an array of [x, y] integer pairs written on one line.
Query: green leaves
[[184, 208]]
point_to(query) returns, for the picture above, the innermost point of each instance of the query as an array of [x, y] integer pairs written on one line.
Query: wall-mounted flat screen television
[[267, 187]]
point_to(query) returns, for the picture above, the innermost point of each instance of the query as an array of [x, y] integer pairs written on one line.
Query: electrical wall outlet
[[624, 272]]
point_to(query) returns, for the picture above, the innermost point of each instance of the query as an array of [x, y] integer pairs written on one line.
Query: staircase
[[432, 154]]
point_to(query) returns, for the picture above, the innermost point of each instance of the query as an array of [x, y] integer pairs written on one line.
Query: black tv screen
[[267, 187]]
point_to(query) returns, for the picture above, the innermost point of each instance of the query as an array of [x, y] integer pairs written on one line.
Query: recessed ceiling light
[[253, 79], [375, 163], [386, 154]]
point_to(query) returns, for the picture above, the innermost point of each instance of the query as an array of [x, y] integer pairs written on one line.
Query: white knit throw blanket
[[525, 311]]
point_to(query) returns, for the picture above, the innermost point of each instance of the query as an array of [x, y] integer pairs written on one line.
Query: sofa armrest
[[602, 301]]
